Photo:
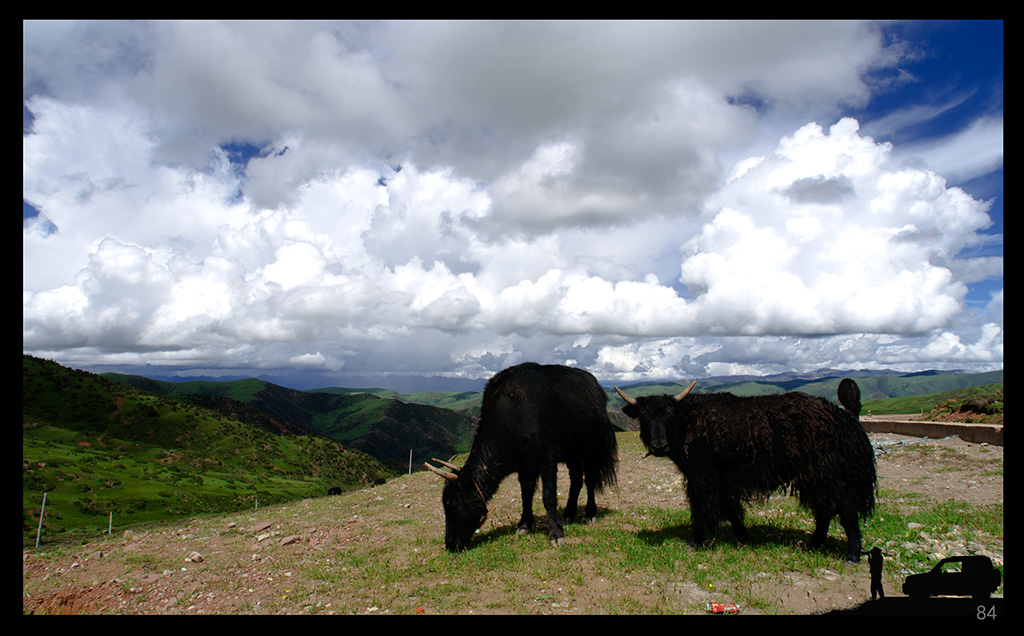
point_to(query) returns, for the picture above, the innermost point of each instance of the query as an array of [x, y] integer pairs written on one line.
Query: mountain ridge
[[380, 426]]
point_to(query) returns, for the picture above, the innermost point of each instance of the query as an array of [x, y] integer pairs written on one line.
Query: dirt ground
[[171, 571]]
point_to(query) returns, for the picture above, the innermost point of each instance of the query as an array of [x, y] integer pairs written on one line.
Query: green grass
[[990, 395], [151, 461], [631, 548], [385, 551], [98, 448]]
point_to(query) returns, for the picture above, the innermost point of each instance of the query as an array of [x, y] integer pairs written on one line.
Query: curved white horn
[[685, 392], [625, 397]]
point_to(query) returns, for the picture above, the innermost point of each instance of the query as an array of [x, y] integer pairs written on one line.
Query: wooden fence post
[[41, 513]]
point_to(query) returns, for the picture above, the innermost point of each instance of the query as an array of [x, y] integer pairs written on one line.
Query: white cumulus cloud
[[456, 197]]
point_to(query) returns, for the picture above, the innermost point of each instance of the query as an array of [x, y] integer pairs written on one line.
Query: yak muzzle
[[658, 448]]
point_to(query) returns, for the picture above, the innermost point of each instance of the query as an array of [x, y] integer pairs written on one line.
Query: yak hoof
[[522, 531], [558, 542], [591, 520]]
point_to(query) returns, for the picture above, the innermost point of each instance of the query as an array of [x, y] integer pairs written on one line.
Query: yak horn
[[625, 397], [685, 392], [446, 464], [448, 476]]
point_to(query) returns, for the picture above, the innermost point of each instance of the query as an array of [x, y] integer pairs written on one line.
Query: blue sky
[[960, 74], [312, 201]]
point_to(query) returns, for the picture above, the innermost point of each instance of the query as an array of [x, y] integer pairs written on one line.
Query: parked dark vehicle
[[976, 577]]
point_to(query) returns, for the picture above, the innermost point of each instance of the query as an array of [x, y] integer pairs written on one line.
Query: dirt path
[[250, 563]]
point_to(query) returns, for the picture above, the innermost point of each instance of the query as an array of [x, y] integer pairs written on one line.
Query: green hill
[[97, 447], [385, 427], [978, 404], [873, 386], [881, 393]]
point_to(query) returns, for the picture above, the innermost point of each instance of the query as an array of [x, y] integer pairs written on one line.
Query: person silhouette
[[875, 563]]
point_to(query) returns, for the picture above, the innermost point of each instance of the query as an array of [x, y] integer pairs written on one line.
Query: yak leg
[[700, 516], [822, 519], [849, 521], [735, 515], [852, 527], [549, 495], [575, 485], [698, 525], [527, 484], [591, 509]]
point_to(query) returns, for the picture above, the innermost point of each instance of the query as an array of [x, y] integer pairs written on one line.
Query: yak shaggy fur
[[533, 417], [732, 449]]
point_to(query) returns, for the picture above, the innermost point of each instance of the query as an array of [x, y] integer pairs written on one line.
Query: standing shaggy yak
[[731, 449], [533, 418]]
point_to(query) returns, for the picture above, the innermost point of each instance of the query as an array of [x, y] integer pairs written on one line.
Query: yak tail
[[603, 460], [849, 396]]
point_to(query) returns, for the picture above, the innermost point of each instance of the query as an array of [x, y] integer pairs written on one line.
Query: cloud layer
[[639, 199]]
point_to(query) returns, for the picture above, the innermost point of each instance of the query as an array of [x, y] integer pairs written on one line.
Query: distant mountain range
[[146, 448], [313, 411], [344, 413], [394, 382], [823, 382], [398, 385]]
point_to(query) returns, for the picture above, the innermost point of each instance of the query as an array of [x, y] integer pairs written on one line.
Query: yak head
[[465, 509], [657, 415]]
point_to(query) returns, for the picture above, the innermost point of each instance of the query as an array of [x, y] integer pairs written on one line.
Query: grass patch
[[381, 550]]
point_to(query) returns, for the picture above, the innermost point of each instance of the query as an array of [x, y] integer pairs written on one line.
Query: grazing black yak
[[533, 418], [733, 448]]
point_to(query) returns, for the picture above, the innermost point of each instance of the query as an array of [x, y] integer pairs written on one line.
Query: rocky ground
[[249, 564]]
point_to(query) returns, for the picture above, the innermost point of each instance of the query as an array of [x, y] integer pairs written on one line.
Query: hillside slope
[[97, 448], [385, 428], [381, 551]]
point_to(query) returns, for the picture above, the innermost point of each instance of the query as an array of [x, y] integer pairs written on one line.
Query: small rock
[[194, 557]]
